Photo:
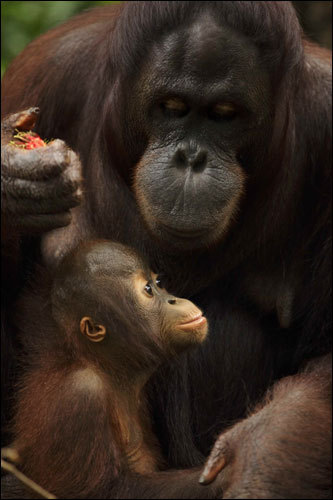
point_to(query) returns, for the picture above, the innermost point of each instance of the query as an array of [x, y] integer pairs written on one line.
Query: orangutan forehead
[[106, 258], [111, 258]]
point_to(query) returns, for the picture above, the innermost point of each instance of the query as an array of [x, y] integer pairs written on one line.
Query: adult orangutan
[[204, 134]]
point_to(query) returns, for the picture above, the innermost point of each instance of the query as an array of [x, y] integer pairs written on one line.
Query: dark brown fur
[[81, 427], [298, 412], [266, 287]]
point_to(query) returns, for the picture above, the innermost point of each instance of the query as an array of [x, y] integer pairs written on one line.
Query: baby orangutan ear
[[94, 332]]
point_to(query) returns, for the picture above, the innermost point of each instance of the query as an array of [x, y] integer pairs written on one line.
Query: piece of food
[[27, 140]]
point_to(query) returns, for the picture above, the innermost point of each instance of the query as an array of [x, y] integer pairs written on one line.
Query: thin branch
[[25, 480]]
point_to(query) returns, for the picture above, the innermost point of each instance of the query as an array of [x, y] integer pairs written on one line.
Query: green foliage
[[24, 21]]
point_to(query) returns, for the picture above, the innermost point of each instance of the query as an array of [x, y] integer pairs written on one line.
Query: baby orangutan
[[81, 426]]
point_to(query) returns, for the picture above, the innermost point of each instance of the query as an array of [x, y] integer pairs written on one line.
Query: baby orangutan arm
[[67, 447], [66, 439], [260, 456]]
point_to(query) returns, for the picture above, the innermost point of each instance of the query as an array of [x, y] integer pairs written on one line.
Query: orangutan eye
[[159, 282], [174, 107], [224, 111], [148, 289]]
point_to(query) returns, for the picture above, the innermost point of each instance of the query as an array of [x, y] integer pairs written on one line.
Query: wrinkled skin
[[39, 186], [192, 149], [205, 144]]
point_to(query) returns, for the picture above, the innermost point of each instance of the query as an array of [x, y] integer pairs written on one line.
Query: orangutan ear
[[94, 332]]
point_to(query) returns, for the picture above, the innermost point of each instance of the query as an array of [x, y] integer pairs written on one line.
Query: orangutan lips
[[199, 320]]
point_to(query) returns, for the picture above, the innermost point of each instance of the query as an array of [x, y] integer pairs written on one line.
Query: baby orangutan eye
[[148, 289], [159, 282]]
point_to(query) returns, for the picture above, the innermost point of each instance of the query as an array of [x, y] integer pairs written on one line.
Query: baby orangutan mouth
[[114, 335], [191, 329], [199, 321]]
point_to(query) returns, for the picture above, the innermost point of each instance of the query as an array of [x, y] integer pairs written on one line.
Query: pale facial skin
[[181, 322], [123, 303], [178, 321]]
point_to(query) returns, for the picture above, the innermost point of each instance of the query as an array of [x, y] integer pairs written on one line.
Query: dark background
[[316, 19], [24, 21]]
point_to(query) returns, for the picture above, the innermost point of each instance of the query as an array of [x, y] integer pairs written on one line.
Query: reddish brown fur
[[81, 426], [281, 240], [298, 412]]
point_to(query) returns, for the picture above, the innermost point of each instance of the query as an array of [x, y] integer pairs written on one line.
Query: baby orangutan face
[[105, 291], [179, 321]]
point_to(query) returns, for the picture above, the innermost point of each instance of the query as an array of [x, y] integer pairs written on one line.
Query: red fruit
[[27, 140]]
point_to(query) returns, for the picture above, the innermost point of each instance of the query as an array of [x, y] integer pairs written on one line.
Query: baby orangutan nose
[[184, 322]]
